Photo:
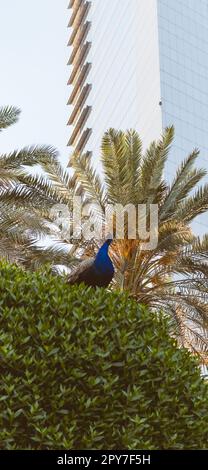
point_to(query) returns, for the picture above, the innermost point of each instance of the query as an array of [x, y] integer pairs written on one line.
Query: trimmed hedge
[[89, 369]]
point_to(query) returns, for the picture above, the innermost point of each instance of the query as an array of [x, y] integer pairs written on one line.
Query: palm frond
[[88, 178], [185, 180], [9, 115], [29, 156], [54, 255], [114, 161], [194, 205], [152, 167]]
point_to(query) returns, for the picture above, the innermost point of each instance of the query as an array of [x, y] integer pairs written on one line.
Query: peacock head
[[109, 239]]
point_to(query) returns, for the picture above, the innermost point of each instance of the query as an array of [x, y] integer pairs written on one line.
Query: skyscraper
[[114, 70], [140, 64]]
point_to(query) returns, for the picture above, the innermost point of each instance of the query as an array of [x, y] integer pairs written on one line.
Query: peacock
[[94, 272]]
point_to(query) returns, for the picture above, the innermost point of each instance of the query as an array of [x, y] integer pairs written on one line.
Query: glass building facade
[[128, 57], [183, 53]]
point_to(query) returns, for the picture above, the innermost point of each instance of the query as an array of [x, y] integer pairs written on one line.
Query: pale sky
[[34, 72]]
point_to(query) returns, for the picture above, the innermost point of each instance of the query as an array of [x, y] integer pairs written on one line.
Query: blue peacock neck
[[102, 261]]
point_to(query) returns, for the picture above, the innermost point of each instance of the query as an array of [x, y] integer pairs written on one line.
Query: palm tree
[[21, 227], [173, 276]]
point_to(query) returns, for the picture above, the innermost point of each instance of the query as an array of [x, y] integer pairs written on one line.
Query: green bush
[[89, 369]]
